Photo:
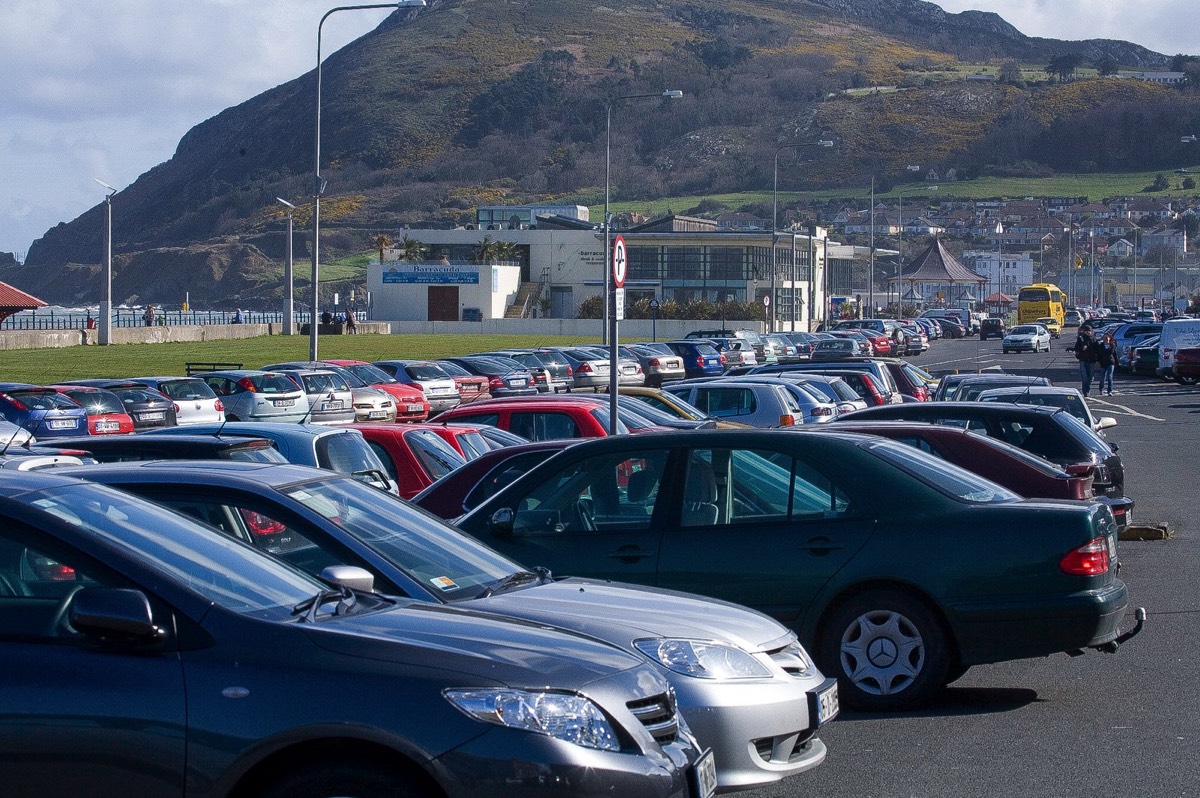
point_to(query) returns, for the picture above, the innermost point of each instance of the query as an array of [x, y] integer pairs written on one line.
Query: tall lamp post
[[610, 317], [105, 337], [775, 234], [289, 314], [318, 182]]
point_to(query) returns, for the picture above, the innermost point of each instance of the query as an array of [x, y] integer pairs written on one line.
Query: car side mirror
[[349, 576], [502, 521], [1105, 422], [117, 614]]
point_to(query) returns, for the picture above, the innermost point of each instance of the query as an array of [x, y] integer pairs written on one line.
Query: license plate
[[825, 701], [283, 402], [377, 414], [63, 424], [415, 408], [706, 775], [152, 416], [108, 426], [518, 383], [335, 405]]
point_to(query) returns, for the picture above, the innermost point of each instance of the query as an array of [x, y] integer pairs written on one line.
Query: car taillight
[[921, 393], [219, 406], [495, 382], [260, 524], [585, 368], [654, 363], [176, 406], [699, 362], [1090, 559], [248, 384], [787, 420], [17, 403], [723, 360], [570, 371]]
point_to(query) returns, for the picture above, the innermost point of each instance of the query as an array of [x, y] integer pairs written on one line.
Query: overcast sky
[[106, 89]]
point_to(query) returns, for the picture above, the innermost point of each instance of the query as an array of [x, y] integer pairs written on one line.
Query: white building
[[1006, 276]]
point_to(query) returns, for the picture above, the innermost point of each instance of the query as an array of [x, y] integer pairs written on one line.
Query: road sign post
[[620, 267], [654, 320]]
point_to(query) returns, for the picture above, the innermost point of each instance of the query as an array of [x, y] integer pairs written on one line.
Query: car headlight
[[703, 659], [563, 716]]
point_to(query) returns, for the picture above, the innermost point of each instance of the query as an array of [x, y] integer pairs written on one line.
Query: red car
[[105, 411], [411, 404], [471, 387], [881, 344], [1186, 369], [467, 486], [414, 456], [538, 418]]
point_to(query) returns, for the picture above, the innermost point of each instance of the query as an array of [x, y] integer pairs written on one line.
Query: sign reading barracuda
[[431, 273]]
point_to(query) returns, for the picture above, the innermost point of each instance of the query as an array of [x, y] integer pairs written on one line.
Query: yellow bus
[[1039, 300]]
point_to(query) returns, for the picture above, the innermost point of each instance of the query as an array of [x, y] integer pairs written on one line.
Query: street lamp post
[[775, 234], [289, 315], [105, 337], [318, 182], [609, 335]]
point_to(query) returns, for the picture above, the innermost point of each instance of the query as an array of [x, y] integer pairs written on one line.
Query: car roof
[[243, 474]]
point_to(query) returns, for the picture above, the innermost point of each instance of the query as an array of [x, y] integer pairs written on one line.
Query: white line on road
[[1123, 410]]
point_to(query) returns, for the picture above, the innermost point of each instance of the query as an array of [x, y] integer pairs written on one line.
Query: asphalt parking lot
[[1123, 724]]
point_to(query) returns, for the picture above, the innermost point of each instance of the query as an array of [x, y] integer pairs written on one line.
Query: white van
[[1176, 334]]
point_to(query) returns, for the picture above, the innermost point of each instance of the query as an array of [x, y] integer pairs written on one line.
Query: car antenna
[[19, 429]]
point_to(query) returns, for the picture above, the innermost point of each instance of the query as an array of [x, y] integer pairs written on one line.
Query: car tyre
[[1187, 380], [350, 779], [887, 650]]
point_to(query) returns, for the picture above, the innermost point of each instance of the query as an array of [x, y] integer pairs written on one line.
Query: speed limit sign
[[766, 300], [620, 266]]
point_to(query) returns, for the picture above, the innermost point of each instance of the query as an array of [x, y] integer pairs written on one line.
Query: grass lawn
[[47, 366]]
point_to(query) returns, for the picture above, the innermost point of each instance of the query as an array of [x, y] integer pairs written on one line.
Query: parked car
[[659, 367], [1026, 338], [506, 377], [1125, 349], [551, 371], [471, 387], [253, 395], [1186, 369], [189, 658], [754, 338], [735, 351], [742, 683], [968, 390], [468, 485], [755, 403], [409, 401], [148, 408], [589, 367], [540, 377], [1144, 358], [105, 412], [700, 358], [1073, 318], [1045, 431], [992, 327], [437, 387], [881, 386], [154, 446], [333, 396], [815, 407], [836, 349], [336, 448], [999, 577], [676, 406], [629, 370], [1129, 333], [785, 350], [539, 419], [562, 375], [835, 389], [413, 456], [40, 412], [1069, 399], [881, 344], [949, 385], [195, 402], [803, 341]]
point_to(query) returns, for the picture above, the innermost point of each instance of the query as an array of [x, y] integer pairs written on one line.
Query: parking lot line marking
[[1124, 410]]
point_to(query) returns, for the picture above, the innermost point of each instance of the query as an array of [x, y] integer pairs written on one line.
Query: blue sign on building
[[435, 273]]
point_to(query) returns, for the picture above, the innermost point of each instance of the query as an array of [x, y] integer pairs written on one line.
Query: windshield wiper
[[539, 574], [308, 608]]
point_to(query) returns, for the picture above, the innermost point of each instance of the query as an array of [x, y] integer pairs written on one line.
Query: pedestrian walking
[[1086, 352], [238, 318], [351, 323], [1106, 362], [148, 316]]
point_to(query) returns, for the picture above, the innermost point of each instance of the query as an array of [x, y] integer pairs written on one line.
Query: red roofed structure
[[14, 300]]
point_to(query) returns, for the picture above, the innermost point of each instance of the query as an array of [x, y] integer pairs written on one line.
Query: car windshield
[[371, 375], [451, 369], [425, 371], [188, 390], [949, 479], [224, 571], [427, 549], [1024, 329], [436, 456]]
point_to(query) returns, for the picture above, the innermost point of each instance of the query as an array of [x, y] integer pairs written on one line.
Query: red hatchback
[[414, 456], [881, 344], [538, 419], [105, 411]]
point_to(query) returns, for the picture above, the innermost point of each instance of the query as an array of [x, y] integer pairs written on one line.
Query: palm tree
[[382, 241], [411, 248]]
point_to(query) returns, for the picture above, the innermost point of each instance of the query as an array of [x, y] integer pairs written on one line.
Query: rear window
[[472, 444], [256, 453], [97, 402], [323, 382], [272, 384], [134, 395], [437, 457], [347, 453], [48, 400], [943, 477], [426, 371], [552, 358]]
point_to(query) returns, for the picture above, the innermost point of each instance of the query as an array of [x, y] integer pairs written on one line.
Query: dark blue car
[[700, 358], [43, 412]]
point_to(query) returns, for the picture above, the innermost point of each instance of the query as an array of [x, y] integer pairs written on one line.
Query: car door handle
[[820, 546], [631, 554]]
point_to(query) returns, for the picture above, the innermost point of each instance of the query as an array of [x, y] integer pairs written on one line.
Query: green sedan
[[898, 570]]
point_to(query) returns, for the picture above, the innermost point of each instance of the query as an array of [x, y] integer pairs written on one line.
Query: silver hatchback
[[330, 399], [195, 401], [255, 395]]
